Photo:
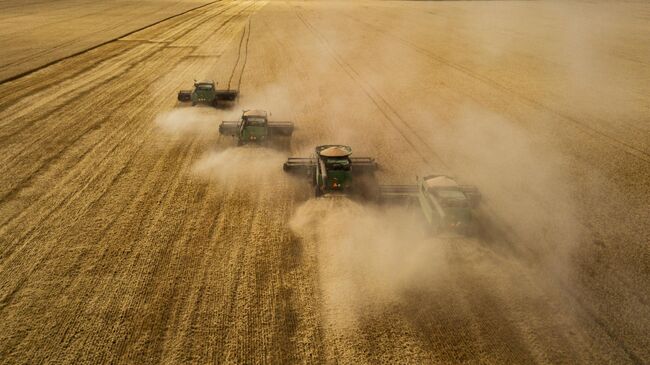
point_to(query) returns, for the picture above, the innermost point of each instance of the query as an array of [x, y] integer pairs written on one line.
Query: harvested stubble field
[[130, 232]]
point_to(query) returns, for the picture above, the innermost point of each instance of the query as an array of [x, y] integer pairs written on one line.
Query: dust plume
[[524, 181], [223, 163], [248, 166], [368, 256], [189, 122], [271, 97]]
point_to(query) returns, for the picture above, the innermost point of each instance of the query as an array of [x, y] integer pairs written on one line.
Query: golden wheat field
[[131, 232]]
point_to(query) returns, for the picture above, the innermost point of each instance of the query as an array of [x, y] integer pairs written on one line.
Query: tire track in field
[[130, 296], [244, 36], [243, 48], [243, 67], [241, 41]]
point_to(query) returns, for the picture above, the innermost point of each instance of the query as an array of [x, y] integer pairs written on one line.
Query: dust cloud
[[188, 122], [524, 180], [222, 162], [368, 256], [241, 167], [272, 98]]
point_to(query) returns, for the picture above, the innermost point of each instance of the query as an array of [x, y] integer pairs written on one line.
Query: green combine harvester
[[204, 92], [333, 172], [446, 205], [254, 127]]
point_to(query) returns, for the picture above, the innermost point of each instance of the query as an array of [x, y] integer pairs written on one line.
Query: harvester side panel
[[472, 193], [401, 194], [185, 95], [228, 95], [230, 128], [398, 190], [363, 164], [280, 128], [300, 165]]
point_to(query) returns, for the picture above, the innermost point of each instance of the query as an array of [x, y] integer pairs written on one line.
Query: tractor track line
[[243, 67], [236, 282], [75, 54], [217, 29], [165, 191], [232, 73]]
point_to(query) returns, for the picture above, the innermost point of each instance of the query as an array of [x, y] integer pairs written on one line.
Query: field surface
[[131, 232]]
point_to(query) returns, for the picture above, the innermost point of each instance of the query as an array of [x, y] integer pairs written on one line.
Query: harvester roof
[[440, 181], [204, 85], [255, 113]]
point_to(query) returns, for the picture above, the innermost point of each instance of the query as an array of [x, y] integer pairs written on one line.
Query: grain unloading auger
[[331, 170], [445, 204], [204, 92], [255, 127]]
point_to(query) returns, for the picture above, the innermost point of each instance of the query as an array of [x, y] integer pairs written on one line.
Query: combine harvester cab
[[446, 205], [332, 171], [204, 92], [254, 127]]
